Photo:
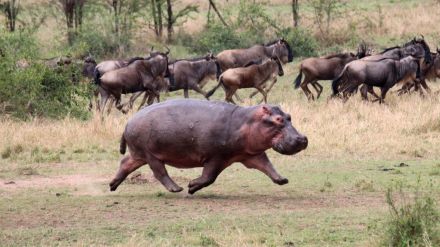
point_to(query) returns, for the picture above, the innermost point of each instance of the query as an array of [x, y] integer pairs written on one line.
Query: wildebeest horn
[[168, 50]]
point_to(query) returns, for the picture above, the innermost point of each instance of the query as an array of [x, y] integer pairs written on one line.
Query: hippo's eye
[[289, 118]]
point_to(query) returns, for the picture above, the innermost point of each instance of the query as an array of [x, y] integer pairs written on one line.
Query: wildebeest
[[194, 73], [429, 72], [240, 57], [140, 75], [89, 66], [384, 73], [106, 66], [417, 48], [190, 133], [253, 76], [324, 68]]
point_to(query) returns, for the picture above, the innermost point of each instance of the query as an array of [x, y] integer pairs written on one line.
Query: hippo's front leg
[[262, 163], [210, 172]]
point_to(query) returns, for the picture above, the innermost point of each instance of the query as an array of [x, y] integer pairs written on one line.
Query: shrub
[[97, 42], [37, 90], [412, 223], [302, 42], [215, 38]]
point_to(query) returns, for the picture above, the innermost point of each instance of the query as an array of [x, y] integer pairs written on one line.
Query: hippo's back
[[183, 127]]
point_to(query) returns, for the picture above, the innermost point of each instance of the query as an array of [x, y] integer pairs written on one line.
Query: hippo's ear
[[266, 110]]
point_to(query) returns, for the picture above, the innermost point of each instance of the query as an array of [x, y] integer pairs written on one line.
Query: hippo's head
[[276, 127]]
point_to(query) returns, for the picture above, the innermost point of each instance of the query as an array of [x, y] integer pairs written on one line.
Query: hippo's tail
[[97, 76], [211, 92], [298, 78], [123, 145]]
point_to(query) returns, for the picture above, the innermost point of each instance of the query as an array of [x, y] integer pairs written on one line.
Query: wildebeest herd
[[213, 135]]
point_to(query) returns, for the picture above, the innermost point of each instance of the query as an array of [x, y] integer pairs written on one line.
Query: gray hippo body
[[212, 135]]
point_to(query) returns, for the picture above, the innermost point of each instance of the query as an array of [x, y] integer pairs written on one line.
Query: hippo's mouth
[[282, 149]]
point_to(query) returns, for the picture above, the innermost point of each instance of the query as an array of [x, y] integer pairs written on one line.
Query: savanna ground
[[336, 194], [54, 174]]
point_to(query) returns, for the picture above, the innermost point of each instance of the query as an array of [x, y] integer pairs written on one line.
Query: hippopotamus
[[190, 133]]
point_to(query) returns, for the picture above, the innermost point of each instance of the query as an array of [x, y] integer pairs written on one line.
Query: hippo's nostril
[[303, 141]]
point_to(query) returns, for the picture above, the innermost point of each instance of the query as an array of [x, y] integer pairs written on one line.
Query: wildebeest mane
[[271, 42], [253, 62], [390, 48], [338, 55], [195, 59], [133, 59]]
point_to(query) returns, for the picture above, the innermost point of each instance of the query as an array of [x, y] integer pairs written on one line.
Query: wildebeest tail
[[298, 78], [123, 145], [97, 76], [211, 92], [219, 70]]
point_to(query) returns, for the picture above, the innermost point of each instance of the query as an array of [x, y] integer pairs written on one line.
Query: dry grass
[[404, 127]]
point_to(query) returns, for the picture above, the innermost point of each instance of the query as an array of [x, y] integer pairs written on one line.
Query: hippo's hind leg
[[128, 165], [262, 163], [161, 174]]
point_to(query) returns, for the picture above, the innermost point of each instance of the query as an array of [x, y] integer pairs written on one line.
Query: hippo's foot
[[175, 189], [281, 181], [114, 185]]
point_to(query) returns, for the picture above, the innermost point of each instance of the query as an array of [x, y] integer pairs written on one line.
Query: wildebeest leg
[[118, 104], [209, 174], [370, 90], [229, 93], [425, 86], [262, 163], [317, 87], [383, 93], [364, 92], [307, 91], [133, 99], [261, 90], [161, 174], [196, 88], [264, 87], [185, 93], [104, 98], [143, 100], [128, 165], [110, 104]]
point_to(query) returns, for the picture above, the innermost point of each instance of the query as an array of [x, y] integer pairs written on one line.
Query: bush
[[302, 42], [414, 223], [37, 90], [97, 42], [215, 38]]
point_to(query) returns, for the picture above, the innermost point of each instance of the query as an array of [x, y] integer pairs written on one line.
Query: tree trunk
[[208, 16], [159, 16], [11, 9], [211, 2], [155, 19], [170, 21], [295, 12]]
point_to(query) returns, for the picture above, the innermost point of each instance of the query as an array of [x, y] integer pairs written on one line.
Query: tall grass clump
[[413, 221], [36, 90]]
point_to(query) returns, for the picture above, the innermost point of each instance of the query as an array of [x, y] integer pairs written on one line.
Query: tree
[[11, 9], [324, 11], [173, 19], [295, 12], [212, 4], [124, 13], [73, 12], [156, 12]]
